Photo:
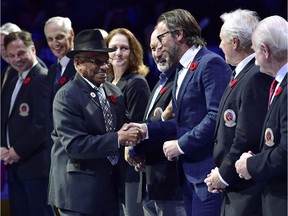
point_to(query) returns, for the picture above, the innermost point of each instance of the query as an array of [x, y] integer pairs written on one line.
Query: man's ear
[[265, 49], [235, 42]]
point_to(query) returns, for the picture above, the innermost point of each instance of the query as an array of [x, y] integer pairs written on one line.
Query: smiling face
[[120, 58], [20, 56], [169, 46], [93, 66], [59, 41], [162, 61]]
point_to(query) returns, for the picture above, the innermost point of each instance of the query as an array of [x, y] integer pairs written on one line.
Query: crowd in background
[[137, 16]]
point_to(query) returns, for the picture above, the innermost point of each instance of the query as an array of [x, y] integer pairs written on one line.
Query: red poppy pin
[[233, 83], [27, 80], [62, 80], [193, 66], [112, 98], [163, 90], [278, 91]]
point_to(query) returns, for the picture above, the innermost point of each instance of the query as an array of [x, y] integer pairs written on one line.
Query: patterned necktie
[[57, 76], [272, 90], [108, 118]]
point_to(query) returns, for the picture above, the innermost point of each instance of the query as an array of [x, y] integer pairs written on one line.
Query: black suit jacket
[[27, 124], [240, 119], [81, 174], [161, 175], [270, 166], [67, 75], [136, 92]]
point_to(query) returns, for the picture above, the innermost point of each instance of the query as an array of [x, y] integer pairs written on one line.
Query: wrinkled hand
[[4, 152], [142, 128], [128, 136], [213, 181], [137, 161], [9, 156], [168, 112], [170, 149], [241, 165]]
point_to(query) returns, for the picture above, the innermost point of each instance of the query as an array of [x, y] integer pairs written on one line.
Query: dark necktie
[[108, 118], [233, 75], [272, 90], [162, 81], [57, 76]]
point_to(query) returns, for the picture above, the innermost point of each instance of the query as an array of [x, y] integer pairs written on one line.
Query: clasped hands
[[9, 156], [213, 181], [132, 133]]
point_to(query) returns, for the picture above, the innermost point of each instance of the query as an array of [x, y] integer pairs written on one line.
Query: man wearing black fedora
[[88, 113]]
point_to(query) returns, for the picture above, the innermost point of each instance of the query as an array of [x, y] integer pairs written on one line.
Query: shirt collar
[[64, 61], [281, 73], [189, 56], [243, 63]]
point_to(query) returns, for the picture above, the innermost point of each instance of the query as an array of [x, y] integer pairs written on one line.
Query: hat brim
[[72, 53]]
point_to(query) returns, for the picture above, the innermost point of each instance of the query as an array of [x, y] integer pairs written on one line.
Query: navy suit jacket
[[27, 124], [195, 114], [79, 163], [270, 166]]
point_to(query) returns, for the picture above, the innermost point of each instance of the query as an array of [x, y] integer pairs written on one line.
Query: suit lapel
[[30, 76], [275, 99], [229, 89]]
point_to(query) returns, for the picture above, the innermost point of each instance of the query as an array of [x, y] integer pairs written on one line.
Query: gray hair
[[182, 19], [64, 22], [273, 32], [240, 24], [9, 27]]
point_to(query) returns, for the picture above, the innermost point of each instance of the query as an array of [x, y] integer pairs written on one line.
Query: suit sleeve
[[251, 115]]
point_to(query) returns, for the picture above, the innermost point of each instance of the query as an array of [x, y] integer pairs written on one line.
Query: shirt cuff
[[222, 180]]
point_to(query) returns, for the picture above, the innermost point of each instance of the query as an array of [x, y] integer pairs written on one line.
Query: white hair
[[64, 22], [9, 27], [273, 32], [240, 24]]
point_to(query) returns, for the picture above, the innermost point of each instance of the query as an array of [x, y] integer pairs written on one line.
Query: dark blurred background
[[139, 16]]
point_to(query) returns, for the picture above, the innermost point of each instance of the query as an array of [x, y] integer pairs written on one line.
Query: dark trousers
[[199, 202], [29, 197]]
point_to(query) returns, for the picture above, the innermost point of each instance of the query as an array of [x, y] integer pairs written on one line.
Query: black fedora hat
[[89, 40]]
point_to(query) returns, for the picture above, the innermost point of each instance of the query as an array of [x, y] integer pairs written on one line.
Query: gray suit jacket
[[80, 171]]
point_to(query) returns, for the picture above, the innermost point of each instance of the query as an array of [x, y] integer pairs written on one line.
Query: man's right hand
[[129, 135]]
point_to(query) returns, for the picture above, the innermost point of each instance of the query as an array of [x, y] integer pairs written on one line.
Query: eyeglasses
[[97, 61], [161, 36]]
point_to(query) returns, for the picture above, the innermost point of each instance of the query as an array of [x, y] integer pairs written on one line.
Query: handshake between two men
[[132, 133]]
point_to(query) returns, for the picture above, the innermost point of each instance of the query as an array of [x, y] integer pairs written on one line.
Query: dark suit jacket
[[161, 175], [67, 75], [195, 114], [80, 173], [238, 129], [270, 166], [136, 92], [27, 124]]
